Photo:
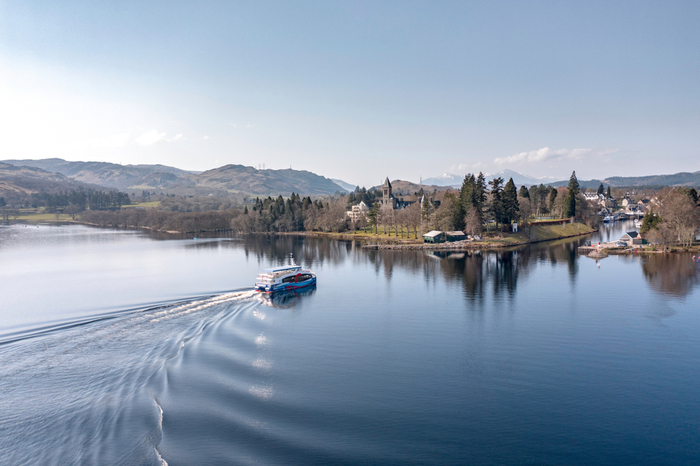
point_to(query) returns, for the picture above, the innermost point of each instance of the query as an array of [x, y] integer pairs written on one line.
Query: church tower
[[387, 198]]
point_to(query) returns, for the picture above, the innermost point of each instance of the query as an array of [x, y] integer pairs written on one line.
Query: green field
[[35, 216], [142, 204]]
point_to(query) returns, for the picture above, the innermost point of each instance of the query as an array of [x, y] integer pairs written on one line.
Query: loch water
[[129, 348]]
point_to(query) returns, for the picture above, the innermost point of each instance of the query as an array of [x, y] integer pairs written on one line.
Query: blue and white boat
[[285, 278]]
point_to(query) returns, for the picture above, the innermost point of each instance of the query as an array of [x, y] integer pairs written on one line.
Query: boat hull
[[278, 287]]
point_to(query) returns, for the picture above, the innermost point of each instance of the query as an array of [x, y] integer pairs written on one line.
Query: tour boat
[[285, 278]]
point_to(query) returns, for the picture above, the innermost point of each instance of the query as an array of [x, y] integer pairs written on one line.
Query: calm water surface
[[118, 347]]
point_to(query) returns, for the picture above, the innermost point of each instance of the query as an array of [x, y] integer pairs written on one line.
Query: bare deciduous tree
[[473, 221], [681, 216]]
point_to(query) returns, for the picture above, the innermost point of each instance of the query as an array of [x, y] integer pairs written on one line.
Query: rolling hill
[[239, 178], [678, 179], [112, 175], [218, 181], [18, 181]]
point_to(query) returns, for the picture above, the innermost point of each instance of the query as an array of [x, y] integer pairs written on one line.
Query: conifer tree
[[511, 206], [569, 208], [496, 207], [552, 197]]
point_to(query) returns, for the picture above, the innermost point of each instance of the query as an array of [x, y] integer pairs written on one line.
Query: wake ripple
[[76, 394]]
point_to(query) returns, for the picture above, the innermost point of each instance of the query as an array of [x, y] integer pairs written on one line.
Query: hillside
[[407, 188], [239, 178], [16, 181], [218, 181], [112, 175], [678, 179]]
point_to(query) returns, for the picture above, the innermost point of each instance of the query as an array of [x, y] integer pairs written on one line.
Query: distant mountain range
[[218, 181], [446, 179], [24, 176], [449, 179], [346, 186], [678, 179]]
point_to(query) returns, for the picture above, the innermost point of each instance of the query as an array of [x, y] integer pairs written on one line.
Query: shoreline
[[382, 242], [395, 243]]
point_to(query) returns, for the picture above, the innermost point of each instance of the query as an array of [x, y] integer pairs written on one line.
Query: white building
[[358, 211]]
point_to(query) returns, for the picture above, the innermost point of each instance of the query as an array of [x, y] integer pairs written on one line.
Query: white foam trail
[[207, 303], [160, 428], [261, 340], [259, 315]]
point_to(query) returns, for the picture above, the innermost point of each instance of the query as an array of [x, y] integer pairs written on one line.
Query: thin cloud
[[545, 154], [206, 138], [154, 137], [464, 168]]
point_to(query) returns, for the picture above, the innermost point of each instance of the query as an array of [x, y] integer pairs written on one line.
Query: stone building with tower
[[388, 201], [391, 202]]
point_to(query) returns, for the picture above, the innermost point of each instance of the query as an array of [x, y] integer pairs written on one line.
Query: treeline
[[185, 222], [195, 204], [677, 219], [80, 200], [293, 214], [479, 203]]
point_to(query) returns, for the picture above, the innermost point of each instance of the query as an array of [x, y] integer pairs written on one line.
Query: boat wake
[[81, 392]]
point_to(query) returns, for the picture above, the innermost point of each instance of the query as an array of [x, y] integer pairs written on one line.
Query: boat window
[[288, 279]]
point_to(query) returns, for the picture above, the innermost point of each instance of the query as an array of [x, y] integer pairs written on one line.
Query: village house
[[644, 204], [455, 235], [631, 238], [594, 197], [434, 236]]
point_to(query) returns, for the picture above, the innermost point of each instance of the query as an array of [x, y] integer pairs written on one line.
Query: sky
[[356, 90]]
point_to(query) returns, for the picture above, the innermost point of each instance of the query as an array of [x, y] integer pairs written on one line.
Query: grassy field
[[36, 216], [548, 232], [142, 204], [529, 234], [382, 235]]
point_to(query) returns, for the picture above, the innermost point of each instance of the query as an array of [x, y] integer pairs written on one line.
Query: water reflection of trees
[[673, 274], [274, 250], [477, 272]]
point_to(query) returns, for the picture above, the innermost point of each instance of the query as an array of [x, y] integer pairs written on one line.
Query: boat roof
[[281, 269]]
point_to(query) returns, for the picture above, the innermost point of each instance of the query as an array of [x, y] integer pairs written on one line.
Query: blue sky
[[356, 90]]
